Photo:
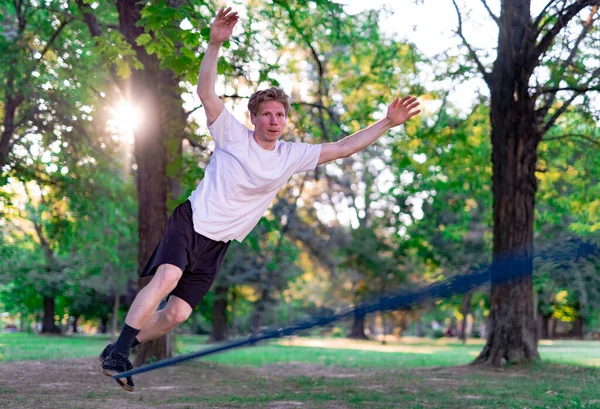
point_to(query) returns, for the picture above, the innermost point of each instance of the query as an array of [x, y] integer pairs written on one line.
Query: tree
[[525, 104], [152, 87]]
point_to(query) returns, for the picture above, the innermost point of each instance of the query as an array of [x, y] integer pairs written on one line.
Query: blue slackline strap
[[455, 285], [505, 269]]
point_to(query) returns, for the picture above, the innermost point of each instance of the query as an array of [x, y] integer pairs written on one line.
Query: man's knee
[[176, 314], [167, 276]]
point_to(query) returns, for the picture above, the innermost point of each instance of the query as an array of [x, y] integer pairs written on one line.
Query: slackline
[[506, 270]]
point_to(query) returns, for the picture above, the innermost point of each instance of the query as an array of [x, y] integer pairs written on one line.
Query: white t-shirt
[[242, 178]]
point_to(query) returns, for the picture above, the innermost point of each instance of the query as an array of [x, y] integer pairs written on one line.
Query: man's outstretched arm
[[220, 31], [398, 112]]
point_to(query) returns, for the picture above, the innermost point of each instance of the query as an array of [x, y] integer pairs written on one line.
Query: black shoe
[[105, 353], [116, 363]]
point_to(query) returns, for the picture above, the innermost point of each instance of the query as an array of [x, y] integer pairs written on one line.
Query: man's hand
[[220, 31], [222, 27], [401, 110]]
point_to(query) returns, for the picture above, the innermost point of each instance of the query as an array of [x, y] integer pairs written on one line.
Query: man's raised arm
[[220, 31], [398, 112]]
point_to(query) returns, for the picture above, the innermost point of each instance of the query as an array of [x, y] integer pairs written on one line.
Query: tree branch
[[549, 100], [542, 111], [331, 114], [588, 138], [540, 16], [54, 36], [492, 15], [187, 114], [562, 20], [480, 67], [96, 31], [557, 114], [581, 90], [198, 145]]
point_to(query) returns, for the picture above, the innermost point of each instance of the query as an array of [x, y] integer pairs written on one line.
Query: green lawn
[[306, 373], [409, 352]]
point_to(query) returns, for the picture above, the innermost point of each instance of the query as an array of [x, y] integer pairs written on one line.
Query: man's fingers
[[223, 13], [413, 113], [413, 105], [408, 100], [404, 99]]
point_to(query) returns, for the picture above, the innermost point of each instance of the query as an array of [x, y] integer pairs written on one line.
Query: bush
[[338, 332]]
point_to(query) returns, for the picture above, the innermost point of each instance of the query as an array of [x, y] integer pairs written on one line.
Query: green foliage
[[114, 50]]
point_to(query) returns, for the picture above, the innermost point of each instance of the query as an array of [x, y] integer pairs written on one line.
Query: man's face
[[270, 121]]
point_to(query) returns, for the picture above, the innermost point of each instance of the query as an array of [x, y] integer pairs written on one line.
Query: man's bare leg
[[149, 297], [163, 321], [144, 306]]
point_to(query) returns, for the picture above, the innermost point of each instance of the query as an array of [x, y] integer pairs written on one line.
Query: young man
[[243, 176]]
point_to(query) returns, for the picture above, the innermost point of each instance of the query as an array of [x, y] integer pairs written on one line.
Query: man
[[244, 174]]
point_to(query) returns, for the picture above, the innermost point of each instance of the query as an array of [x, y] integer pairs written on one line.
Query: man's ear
[[252, 118]]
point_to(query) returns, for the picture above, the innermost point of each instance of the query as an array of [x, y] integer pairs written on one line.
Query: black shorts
[[196, 255]]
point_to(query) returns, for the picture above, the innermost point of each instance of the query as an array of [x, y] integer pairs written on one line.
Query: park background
[[102, 136]]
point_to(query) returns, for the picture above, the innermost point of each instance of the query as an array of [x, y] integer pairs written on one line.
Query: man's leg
[[140, 313], [163, 321]]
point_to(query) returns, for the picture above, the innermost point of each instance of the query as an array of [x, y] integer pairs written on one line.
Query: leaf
[[123, 69], [205, 33], [143, 39]]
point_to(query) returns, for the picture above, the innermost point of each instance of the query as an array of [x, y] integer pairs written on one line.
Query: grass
[[302, 373], [408, 352]]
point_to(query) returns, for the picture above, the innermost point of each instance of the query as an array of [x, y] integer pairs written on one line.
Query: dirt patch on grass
[[78, 383]]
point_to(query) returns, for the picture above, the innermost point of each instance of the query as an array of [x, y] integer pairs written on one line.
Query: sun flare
[[125, 118]]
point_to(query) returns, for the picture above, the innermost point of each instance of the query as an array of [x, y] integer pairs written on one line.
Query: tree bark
[[515, 137], [578, 327], [150, 154], [10, 107], [358, 326], [219, 317], [259, 311], [544, 326], [48, 326], [103, 329]]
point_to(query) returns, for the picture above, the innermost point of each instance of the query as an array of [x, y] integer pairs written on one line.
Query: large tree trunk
[[512, 331], [218, 332], [150, 156], [48, 326]]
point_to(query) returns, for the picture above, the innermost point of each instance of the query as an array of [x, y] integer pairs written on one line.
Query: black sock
[[135, 342], [125, 341]]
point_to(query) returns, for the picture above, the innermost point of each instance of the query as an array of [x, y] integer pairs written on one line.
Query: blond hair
[[270, 94]]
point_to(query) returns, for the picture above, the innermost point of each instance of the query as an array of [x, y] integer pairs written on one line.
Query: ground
[[78, 383]]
